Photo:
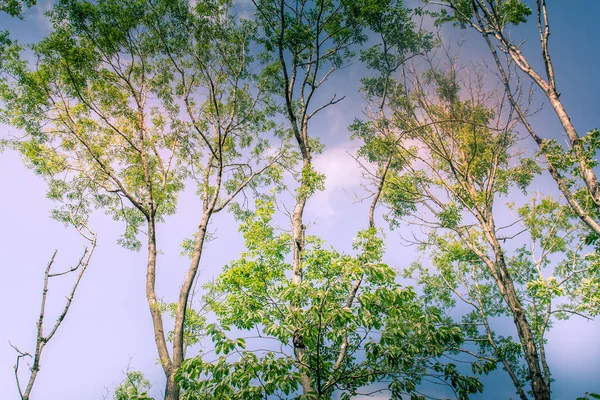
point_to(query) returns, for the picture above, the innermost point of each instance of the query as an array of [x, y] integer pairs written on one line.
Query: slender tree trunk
[[545, 366], [505, 284], [41, 339], [298, 231], [587, 173], [548, 86], [172, 389], [492, 342], [157, 322]]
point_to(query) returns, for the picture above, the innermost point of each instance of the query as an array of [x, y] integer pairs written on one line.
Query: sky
[[109, 326]]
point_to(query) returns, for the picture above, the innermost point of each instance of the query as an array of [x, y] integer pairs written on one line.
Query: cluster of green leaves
[[194, 326], [566, 160], [134, 387], [453, 139], [312, 181], [572, 281], [401, 39], [589, 396], [15, 8], [507, 12], [460, 161], [104, 113], [357, 325]]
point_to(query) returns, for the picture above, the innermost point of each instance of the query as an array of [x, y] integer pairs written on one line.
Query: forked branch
[[41, 338]]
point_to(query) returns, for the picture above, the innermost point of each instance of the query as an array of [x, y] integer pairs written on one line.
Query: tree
[[43, 336], [304, 44], [569, 167], [340, 322], [551, 274], [450, 158], [115, 119], [358, 327], [134, 387]]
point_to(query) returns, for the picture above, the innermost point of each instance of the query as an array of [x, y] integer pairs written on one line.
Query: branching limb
[[41, 339]]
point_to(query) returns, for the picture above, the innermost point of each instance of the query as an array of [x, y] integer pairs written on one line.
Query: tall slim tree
[[452, 159], [305, 43], [43, 334], [361, 331], [131, 102]]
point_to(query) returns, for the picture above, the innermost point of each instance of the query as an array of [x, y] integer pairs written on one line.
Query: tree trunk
[[540, 390], [298, 230], [505, 284], [171, 388], [157, 322], [587, 173]]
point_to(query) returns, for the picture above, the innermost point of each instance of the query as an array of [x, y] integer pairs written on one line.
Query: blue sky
[[109, 322]]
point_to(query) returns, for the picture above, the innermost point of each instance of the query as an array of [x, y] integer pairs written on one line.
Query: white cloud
[[244, 9], [343, 177], [339, 166], [38, 15]]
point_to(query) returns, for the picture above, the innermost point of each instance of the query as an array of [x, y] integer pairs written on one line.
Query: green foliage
[[506, 12], [448, 159], [112, 115], [338, 22], [401, 39], [194, 325], [134, 387], [589, 396], [14, 8], [347, 299], [129, 102], [457, 143], [552, 276], [311, 181]]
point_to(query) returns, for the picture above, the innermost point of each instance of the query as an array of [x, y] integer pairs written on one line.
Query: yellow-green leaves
[[342, 297], [312, 181]]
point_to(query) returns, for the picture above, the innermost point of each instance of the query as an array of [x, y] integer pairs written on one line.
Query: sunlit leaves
[[134, 387], [118, 99], [194, 325], [352, 298], [505, 11]]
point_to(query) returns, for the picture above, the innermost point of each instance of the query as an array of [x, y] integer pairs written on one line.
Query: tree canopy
[[126, 107]]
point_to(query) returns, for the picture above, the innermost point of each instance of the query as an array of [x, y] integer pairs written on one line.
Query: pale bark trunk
[[500, 272], [172, 389], [492, 342], [506, 286], [41, 339], [157, 321], [587, 173], [298, 231], [539, 387]]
